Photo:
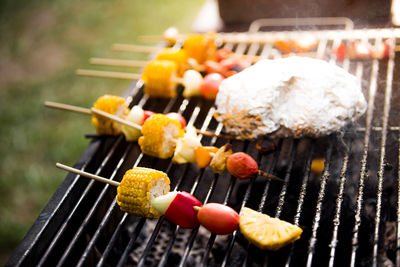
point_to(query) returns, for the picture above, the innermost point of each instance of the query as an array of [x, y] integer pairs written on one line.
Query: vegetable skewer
[[162, 137], [88, 111], [136, 189], [145, 192]]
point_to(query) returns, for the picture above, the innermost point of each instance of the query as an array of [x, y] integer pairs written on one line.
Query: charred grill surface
[[349, 212]]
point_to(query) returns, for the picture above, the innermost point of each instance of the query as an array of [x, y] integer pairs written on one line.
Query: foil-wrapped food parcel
[[289, 97]]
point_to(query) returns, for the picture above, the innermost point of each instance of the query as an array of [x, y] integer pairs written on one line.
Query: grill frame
[[54, 222]]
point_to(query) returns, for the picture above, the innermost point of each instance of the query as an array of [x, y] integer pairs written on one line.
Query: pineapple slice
[[267, 232]]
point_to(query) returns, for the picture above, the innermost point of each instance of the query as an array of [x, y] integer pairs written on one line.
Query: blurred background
[[42, 43]]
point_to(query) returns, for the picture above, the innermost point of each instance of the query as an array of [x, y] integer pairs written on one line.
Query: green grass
[[41, 45]]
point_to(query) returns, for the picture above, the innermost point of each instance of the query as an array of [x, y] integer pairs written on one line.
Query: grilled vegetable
[[192, 81], [218, 163], [218, 218], [318, 165], [204, 155], [147, 114], [266, 232], [114, 105], [176, 55], [178, 117], [210, 85], [136, 115], [185, 147], [201, 47], [138, 187], [160, 135], [177, 207], [241, 165], [159, 77]]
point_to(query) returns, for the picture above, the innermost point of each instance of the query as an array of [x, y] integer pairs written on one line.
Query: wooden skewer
[[116, 118], [67, 107], [149, 38], [134, 48], [116, 75], [87, 175], [108, 74], [138, 127], [269, 176], [90, 112], [117, 62]]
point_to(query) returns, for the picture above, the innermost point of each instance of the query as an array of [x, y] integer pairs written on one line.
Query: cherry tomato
[[218, 219], [241, 165], [178, 117], [341, 52], [181, 211], [147, 114], [210, 86], [212, 66], [223, 53]]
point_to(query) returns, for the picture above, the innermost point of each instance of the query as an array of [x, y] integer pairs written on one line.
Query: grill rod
[[385, 119], [360, 193], [63, 228]]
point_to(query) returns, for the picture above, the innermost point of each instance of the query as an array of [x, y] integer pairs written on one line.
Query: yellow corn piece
[[160, 134], [201, 47], [176, 55], [138, 187], [159, 77], [114, 105]]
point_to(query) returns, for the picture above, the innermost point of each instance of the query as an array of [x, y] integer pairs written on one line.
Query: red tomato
[[218, 219], [241, 165], [210, 85], [341, 52], [147, 114], [212, 66], [178, 117], [223, 53], [181, 211]]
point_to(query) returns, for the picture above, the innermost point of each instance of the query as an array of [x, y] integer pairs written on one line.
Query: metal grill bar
[[67, 194], [385, 119], [158, 227], [119, 226], [84, 224], [339, 200], [282, 195], [100, 245], [261, 206], [302, 194], [360, 194], [398, 207], [133, 239], [318, 209], [80, 200], [95, 206]]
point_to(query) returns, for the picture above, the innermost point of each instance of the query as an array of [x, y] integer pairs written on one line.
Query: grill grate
[[346, 212]]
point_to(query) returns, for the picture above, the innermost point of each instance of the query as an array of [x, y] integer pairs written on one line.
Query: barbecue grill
[[350, 213]]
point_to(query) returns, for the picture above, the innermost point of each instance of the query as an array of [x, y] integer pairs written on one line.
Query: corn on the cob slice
[[176, 55], [159, 77], [201, 47], [138, 187], [159, 136], [114, 105]]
